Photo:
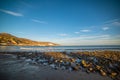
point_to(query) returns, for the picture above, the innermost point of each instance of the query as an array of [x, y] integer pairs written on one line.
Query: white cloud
[[77, 32], [62, 34], [38, 21], [105, 28], [85, 30], [11, 12]]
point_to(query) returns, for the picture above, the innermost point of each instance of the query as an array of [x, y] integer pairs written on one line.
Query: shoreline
[[58, 48], [103, 63]]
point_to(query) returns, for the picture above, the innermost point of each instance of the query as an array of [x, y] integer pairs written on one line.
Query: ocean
[[58, 48]]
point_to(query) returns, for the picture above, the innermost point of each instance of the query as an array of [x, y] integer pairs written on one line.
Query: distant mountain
[[8, 39]]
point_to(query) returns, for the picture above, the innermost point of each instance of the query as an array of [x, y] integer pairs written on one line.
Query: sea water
[[58, 48]]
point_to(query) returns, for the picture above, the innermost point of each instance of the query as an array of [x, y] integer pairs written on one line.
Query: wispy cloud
[[63, 34], [116, 23], [84, 37], [117, 37], [111, 21], [90, 40], [11, 12], [38, 21], [87, 37], [105, 28], [85, 30], [26, 4], [76, 32]]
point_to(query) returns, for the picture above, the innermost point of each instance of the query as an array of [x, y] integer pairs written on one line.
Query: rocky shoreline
[[104, 63]]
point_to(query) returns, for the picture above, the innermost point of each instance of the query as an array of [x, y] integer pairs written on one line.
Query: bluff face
[[10, 40]]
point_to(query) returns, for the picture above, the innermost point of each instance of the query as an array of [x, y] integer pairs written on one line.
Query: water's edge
[[58, 48]]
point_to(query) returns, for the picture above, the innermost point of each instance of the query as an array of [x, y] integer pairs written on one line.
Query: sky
[[65, 22]]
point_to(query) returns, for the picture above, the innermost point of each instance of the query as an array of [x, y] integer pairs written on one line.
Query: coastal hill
[[8, 40]]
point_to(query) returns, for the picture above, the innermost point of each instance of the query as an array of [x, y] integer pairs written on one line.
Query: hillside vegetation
[[8, 39]]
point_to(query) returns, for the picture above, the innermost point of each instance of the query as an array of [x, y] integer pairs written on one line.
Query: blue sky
[[66, 22]]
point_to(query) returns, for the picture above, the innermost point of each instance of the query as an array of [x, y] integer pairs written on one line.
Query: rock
[[90, 69], [81, 67], [56, 61], [63, 67], [22, 58], [74, 66], [34, 62], [98, 67], [102, 73], [28, 60], [52, 65], [67, 63], [42, 61], [13, 56], [51, 59], [95, 60], [29, 53], [83, 62], [72, 60], [113, 74], [78, 60], [70, 69], [61, 61], [45, 64]]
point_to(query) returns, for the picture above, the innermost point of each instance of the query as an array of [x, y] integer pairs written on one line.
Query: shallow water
[[57, 48]]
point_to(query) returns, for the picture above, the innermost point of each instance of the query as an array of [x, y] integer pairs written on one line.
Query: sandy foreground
[[13, 69]]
